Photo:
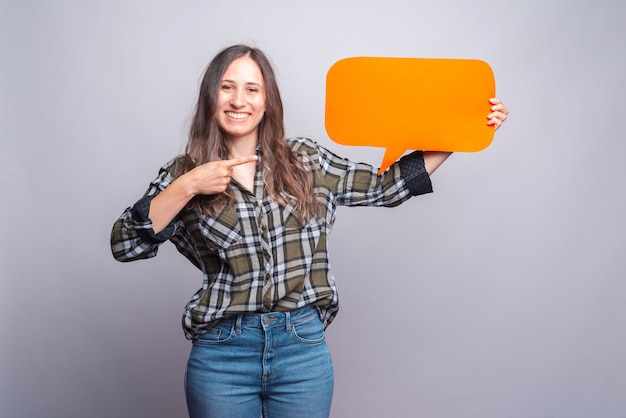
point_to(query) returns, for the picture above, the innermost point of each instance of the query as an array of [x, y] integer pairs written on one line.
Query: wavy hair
[[284, 176]]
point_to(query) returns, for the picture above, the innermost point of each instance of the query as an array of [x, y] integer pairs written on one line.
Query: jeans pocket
[[222, 333], [309, 331]]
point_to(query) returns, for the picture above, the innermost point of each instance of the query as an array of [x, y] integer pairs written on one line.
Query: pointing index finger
[[240, 160]]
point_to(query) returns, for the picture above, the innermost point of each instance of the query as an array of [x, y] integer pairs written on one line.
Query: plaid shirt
[[256, 256]]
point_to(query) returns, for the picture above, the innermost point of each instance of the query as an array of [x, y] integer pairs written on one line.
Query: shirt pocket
[[292, 221], [300, 239], [221, 231]]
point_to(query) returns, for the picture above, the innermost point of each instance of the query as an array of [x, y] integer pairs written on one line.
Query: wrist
[[186, 185]]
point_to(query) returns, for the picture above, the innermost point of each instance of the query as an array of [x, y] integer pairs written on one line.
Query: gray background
[[500, 295]]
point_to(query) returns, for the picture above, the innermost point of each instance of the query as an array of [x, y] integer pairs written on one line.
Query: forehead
[[244, 69]]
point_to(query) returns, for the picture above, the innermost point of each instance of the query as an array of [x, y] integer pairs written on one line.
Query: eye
[[226, 87], [253, 89]]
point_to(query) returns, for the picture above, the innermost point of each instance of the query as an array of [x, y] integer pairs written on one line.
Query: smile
[[235, 115]]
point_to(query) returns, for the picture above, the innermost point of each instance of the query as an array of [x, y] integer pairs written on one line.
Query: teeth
[[237, 115]]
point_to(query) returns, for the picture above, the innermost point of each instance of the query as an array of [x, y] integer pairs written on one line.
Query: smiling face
[[241, 100]]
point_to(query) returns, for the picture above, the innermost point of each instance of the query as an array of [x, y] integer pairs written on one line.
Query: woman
[[252, 210]]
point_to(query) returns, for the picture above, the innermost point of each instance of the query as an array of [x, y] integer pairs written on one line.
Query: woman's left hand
[[498, 113]]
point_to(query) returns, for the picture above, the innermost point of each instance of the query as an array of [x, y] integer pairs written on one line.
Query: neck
[[240, 147]]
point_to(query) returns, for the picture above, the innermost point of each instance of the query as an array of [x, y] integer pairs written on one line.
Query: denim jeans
[[275, 364]]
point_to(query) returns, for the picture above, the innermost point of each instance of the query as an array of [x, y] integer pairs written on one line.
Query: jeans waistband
[[272, 319]]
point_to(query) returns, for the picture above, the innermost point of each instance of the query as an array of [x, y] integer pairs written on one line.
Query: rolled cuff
[[414, 173], [143, 224]]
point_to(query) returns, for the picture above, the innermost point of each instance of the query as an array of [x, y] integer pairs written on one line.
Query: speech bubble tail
[[391, 156]]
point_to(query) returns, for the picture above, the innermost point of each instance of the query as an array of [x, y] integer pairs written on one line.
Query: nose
[[238, 98]]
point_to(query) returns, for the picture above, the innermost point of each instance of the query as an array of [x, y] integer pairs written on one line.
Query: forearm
[[433, 159], [167, 204]]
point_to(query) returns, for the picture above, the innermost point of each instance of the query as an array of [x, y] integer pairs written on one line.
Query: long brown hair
[[285, 178]]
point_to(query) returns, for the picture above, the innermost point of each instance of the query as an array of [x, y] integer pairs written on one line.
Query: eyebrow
[[247, 82]]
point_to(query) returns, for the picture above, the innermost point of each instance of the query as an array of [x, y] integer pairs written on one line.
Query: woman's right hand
[[209, 178], [213, 177]]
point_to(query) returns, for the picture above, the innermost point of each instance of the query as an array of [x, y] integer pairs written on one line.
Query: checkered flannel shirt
[[256, 256]]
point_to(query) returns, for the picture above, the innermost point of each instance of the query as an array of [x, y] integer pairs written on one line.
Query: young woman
[[253, 210]]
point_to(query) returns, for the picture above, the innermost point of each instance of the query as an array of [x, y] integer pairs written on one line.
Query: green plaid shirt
[[256, 256]]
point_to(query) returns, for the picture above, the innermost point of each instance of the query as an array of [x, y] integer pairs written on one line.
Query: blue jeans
[[275, 364]]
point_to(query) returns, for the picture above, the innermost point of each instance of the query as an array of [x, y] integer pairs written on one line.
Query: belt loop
[[287, 322], [238, 324]]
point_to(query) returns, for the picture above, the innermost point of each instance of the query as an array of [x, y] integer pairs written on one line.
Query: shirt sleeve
[[358, 184], [413, 171], [132, 236], [143, 223]]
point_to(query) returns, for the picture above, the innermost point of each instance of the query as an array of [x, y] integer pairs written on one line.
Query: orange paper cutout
[[409, 104]]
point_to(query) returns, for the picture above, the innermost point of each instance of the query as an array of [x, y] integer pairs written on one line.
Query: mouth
[[237, 115]]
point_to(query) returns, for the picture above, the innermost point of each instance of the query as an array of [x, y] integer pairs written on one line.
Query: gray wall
[[500, 295]]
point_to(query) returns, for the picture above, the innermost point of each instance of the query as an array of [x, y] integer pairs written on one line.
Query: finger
[[498, 106], [496, 123], [501, 109], [239, 160], [496, 119], [497, 115]]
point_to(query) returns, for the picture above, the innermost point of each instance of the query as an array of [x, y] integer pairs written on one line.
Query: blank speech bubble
[[405, 104]]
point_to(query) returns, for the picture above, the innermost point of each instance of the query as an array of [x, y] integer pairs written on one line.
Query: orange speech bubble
[[409, 104]]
